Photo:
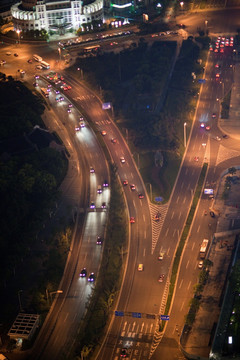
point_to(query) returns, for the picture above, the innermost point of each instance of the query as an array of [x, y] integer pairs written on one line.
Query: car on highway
[[8, 53], [132, 220], [217, 138], [16, 54], [3, 62], [92, 170], [99, 240], [70, 105], [225, 136], [200, 264], [92, 205], [83, 273], [122, 159], [161, 278], [140, 267], [140, 196], [212, 214], [69, 110], [105, 183], [35, 84], [132, 187], [214, 115], [208, 128], [36, 76], [103, 133], [57, 92], [202, 125], [91, 277], [114, 140], [124, 353], [125, 182], [103, 206], [99, 189], [156, 217], [29, 61], [196, 158], [38, 67], [160, 256], [82, 124]]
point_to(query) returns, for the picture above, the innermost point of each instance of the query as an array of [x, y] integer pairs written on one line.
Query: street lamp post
[[19, 300], [18, 32], [184, 134], [138, 159], [150, 187], [181, 4], [55, 292]]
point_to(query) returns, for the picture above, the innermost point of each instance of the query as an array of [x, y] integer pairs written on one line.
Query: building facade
[[55, 15]]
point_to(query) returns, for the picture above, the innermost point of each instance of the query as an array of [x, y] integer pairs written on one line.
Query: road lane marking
[[124, 326], [187, 264], [184, 200], [144, 251], [198, 228], [172, 215], [177, 199], [182, 185], [180, 215], [167, 231], [134, 204], [144, 218], [180, 284], [193, 245], [66, 317], [168, 250], [174, 232], [182, 306], [189, 285], [145, 234]]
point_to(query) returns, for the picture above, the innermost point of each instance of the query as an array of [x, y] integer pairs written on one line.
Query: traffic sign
[[119, 313], [150, 316], [106, 106], [208, 191], [201, 81], [159, 198], [165, 317], [136, 315]]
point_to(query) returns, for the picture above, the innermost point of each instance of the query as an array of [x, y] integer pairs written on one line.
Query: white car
[[122, 159], [200, 264], [140, 267], [217, 138]]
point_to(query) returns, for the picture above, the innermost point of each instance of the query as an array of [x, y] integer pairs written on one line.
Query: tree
[[232, 170]]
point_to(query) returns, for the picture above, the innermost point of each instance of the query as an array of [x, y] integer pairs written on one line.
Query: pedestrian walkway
[[231, 126]]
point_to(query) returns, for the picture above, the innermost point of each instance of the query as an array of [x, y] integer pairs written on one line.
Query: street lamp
[[53, 292], [18, 32], [184, 134], [181, 4], [150, 186], [138, 159], [19, 300]]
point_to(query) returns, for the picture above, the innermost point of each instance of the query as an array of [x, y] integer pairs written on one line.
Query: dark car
[[113, 140], [92, 170], [124, 353], [125, 182], [105, 183], [132, 187], [103, 206], [91, 277], [29, 61], [141, 196], [99, 240], [83, 273], [225, 136], [92, 206], [212, 214], [16, 54]]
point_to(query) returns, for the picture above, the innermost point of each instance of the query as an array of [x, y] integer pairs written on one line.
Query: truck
[[203, 248]]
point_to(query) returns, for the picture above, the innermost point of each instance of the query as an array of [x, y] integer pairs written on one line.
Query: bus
[[45, 65], [37, 58], [90, 50], [203, 248], [45, 92]]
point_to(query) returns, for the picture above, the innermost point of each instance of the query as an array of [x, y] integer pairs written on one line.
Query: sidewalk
[[198, 341], [231, 126]]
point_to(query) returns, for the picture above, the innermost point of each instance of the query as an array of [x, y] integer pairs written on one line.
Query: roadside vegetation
[[32, 254], [150, 107]]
